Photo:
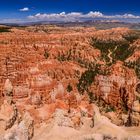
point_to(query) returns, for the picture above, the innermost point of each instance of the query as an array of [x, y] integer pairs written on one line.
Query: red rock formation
[[40, 67]]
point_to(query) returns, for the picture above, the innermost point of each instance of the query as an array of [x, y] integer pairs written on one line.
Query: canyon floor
[[69, 83]]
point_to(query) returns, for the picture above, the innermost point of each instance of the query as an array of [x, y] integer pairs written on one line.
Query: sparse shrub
[[91, 97], [110, 109], [69, 88], [138, 88], [46, 55], [61, 58], [138, 98]]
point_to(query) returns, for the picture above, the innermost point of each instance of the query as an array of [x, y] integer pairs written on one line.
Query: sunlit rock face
[[8, 87], [120, 83], [21, 91], [40, 70]]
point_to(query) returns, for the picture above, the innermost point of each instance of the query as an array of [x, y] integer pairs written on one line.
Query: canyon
[[69, 83]]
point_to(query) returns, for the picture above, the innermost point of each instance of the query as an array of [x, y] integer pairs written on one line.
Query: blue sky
[[33, 10]]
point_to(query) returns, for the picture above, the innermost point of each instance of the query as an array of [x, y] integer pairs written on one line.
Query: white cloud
[[124, 16], [24, 9], [130, 16], [94, 14], [57, 17], [77, 16]]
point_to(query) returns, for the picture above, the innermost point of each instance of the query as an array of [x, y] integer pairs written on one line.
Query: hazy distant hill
[[99, 24]]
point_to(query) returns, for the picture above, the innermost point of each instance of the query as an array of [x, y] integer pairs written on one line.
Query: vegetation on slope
[[134, 65], [131, 37], [86, 80], [4, 29], [112, 51]]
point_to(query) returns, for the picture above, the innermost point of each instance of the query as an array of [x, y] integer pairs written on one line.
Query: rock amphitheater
[[55, 84]]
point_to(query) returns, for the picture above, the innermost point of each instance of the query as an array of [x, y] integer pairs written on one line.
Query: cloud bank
[[77, 16], [72, 17]]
